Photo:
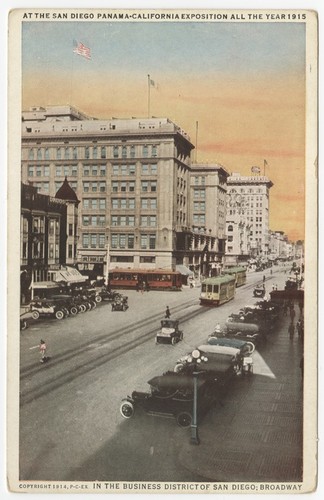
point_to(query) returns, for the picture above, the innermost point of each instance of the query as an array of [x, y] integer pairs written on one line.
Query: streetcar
[[145, 279], [239, 273], [217, 291]]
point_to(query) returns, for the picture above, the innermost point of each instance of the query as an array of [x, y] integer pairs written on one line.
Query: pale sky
[[244, 83]]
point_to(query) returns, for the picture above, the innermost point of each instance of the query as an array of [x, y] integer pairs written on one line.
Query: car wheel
[[93, 304], [251, 347], [173, 341], [35, 314], [23, 324], [178, 368], [59, 314], [184, 419], [83, 308], [127, 409], [98, 299], [74, 310]]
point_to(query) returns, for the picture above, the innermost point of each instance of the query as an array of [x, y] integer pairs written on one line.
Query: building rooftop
[[66, 192], [68, 121]]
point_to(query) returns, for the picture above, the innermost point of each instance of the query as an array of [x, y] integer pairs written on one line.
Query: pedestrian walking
[[42, 350], [167, 312], [263, 278], [292, 314], [291, 330]]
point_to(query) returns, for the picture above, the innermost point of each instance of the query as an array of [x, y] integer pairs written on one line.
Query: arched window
[[230, 228]]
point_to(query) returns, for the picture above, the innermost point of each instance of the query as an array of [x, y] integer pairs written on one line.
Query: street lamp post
[[197, 358]]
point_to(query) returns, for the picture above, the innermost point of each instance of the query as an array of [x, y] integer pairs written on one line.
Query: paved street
[[70, 425]]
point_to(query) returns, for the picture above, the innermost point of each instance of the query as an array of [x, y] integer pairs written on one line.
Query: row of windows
[[242, 190], [93, 220], [129, 220], [147, 241], [100, 187], [129, 203], [199, 219], [200, 180], [94, 203], [120, 186], [92, 152], [199, 194], [90, 170], [199, 206]]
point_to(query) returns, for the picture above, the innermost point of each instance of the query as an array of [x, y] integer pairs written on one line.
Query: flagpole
[[196, 141], [264, 167], [148, 95]]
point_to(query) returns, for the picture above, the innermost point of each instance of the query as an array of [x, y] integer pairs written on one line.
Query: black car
[[120, 303], [171, 395], [259, 291], [169, 332]]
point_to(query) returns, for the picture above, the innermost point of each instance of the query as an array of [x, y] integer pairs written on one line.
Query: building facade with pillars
[[208, 219], [247, 217], [131, 177]]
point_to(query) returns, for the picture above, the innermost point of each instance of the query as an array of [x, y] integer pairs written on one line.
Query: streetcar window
[[203, 287], [209, 288], [216, 289]]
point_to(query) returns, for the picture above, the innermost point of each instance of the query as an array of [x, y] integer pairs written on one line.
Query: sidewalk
[[257, 435]]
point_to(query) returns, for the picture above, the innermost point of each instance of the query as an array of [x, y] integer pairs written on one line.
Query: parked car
[[169, 332], [45, 307], [218, 363], [246, 347], [238, 327], [171, 395], [120, 303], [104, 294]]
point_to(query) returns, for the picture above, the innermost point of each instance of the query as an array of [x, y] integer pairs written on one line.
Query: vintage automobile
[[104, 294], [263, 313], [120, 303], [73, 304], [169, 332], [259, 291], [237, 326], [171, 395], [218, 363], [246, 347], [45, 307]]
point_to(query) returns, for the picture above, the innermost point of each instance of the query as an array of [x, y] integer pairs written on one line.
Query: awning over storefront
[[185, 271], [44, 285], [70, 275]]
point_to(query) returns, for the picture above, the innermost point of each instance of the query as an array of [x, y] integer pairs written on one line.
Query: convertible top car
[[246, 347]]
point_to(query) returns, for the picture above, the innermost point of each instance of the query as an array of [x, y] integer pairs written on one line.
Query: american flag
[[82, 50]]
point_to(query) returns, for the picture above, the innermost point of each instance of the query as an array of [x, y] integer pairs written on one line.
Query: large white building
[[247, 218], [134, 180]]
